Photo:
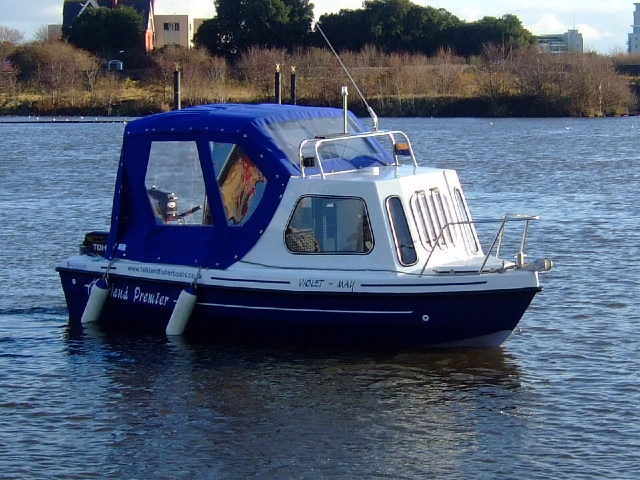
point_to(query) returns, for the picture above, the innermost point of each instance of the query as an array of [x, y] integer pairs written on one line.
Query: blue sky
[[604, 24]]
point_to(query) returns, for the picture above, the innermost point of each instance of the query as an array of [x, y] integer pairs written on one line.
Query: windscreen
[[360, 152]]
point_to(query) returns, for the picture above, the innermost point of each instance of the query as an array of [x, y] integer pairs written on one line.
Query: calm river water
[[560, 400]]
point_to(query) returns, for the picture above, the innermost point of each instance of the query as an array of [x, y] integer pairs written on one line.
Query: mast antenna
[[372, 113]]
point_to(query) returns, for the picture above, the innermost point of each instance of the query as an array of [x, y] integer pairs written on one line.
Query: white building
[[168, 22], [570, 42], [54, 33], [634, 37], [176, 22]]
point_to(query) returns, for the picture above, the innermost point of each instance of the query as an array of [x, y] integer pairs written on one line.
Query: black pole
[[278, 84], [294, 86], [177, 90]]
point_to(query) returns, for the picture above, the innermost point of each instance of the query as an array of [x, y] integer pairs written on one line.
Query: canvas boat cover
[[268, 135]]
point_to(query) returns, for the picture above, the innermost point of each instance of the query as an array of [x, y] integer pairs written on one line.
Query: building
[[634, 36], [54, 33], [164, 25], [176, 30], [176, 23], [73, 9], [570, 42]]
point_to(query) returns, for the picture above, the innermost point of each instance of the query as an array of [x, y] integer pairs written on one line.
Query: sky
[[603, 24]]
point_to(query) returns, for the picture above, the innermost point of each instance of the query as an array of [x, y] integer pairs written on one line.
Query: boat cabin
[[286, 186]]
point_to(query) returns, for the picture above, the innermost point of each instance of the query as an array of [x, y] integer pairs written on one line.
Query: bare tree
[[203, 76], [536, 73], [110, 87], [448, 72], [495, 81], [10, 35], [41, 34]]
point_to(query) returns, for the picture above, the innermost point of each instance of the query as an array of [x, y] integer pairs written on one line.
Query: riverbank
[[57, 79], [392, 106]]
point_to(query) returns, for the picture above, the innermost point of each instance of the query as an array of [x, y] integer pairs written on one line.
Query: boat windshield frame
[[319, 141]]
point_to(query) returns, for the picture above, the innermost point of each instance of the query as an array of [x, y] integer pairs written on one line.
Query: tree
[[106, 32], [470, 38], [403, 26], [495, 67], [56, 67], [201, 73], [41, 34], [10, 35], [392, 25], [242, 24], [9, 38], [347, 29]]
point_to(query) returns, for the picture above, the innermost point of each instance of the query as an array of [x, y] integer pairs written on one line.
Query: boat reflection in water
[[211, 411]]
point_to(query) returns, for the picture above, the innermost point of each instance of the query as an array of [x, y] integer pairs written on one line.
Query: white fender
[[97, 298], [181, 312]]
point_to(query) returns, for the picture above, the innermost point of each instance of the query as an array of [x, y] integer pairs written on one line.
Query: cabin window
[[401, 233], [241, 182], [329, 225], [175, 184], [465, 217]]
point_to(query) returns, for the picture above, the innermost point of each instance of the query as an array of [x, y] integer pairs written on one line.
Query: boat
[[298, 223]]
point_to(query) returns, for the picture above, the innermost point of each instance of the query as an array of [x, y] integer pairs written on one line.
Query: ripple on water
[[558, 401]]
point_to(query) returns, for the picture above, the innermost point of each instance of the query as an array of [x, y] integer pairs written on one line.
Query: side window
[[401, 233], [327, 225], [175, 185], [241, 182]]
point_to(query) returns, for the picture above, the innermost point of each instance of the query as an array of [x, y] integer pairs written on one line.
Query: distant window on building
[[115, 66], [171, 27]]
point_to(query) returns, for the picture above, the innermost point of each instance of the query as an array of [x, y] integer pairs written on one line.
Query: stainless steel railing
[[318, 142], [497, 241]]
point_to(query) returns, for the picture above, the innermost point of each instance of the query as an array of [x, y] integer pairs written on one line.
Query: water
[[559, 400]]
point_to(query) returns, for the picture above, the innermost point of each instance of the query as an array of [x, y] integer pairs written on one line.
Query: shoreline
[[393, 107]]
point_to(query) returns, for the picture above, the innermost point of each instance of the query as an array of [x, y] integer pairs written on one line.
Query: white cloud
[[195, 8], [589, 32], [470, 14], [51, 11], [330, 6], [547, 24]]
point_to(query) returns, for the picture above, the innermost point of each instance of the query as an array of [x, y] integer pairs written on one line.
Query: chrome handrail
[[497, 239], [317, 142]]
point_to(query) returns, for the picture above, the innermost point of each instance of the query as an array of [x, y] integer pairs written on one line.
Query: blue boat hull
[[469, 319]]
